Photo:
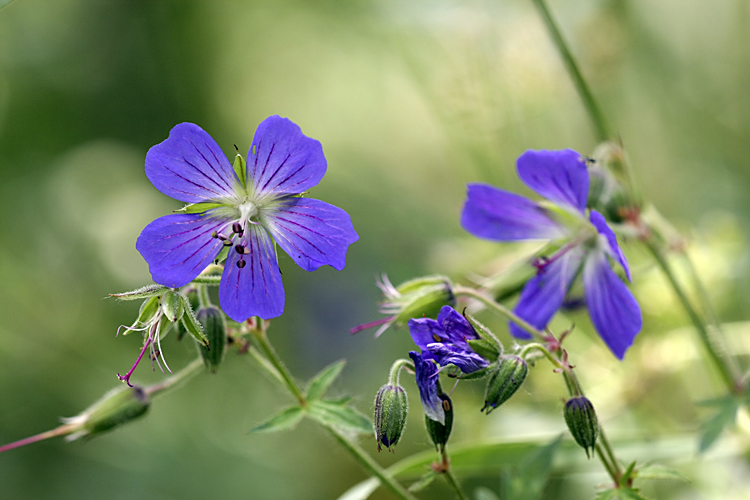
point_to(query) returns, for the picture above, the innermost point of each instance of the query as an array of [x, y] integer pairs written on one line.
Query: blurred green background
[[411, 100]]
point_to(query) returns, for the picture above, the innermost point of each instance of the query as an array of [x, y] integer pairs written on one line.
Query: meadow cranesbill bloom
[[426, 373], [445, 340], [247, 209], [588, 247]]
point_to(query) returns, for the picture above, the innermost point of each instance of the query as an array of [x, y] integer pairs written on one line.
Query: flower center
[[247, 210]]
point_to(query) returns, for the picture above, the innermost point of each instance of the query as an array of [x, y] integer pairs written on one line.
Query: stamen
[[241, 264], [227, 243], [126, 378], [240, 249], [237, 228], [214, 234], [378, 322]]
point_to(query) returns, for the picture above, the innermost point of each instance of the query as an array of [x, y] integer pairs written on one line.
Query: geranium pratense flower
[[246, 213], [562, 178], [443, 342]]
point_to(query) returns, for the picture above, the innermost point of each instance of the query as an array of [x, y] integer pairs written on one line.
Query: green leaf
[[284, 420], [208, 279], [240, 168], [320, 383], [340, 401], [531, 477], [424, 481], [627, 476], [141, 293], [197, 208], [620, 494], [712, 428], [342, 417], [610, 494], [659, 471], [483, 493], [484, 348], [191, 323]]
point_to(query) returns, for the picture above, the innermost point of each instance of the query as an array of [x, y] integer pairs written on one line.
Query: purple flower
[[561, 177], [446, 340], [427, 381], [248, 209]]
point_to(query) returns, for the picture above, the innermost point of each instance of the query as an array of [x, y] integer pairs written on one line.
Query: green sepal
[[507, 378], [319, 383], [423, 482], [172, 305], [240, 168], [191, 323], [117, 407], [198, 208], [141, 293], [485, 334], [440, 433], [148, 310], [481, 373], [284, 420], [417, 284], [341, 417], [484, 348]]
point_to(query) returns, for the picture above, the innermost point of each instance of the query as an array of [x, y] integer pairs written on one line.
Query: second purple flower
[[247, 210]]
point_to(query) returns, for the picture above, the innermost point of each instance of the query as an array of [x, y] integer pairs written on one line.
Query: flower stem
[[733, 380], [601, 127], [450, 477], [499, 308], [354, 449], [203, 299], [393, 376], [59, 431], [270, 353]]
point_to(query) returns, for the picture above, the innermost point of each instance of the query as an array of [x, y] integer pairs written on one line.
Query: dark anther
[[446, 405], [227, 243], [241, 263], [240, 249], [221, 237], [237, 228], [214, 234]]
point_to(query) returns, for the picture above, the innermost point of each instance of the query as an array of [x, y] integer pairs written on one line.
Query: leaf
[[712, 428], [208, 279], [627, 476], [342, 417], [424, 481], [529, 481], [191, 323], [319, 383], [620, 494], [141, 293], [659, 471], [197, 208], [483, 493], [285, 419]]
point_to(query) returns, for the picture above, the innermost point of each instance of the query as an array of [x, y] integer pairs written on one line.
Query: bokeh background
[[411, 100]]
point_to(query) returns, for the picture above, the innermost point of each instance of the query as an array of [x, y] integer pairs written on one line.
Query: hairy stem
[[498, 308], [178, 378], [450, 477]]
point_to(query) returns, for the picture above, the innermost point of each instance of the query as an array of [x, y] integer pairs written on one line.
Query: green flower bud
[[391, 406], [215, 329], [510, 373], [420, 297], [438, 432], [117, 407], [581, 420]]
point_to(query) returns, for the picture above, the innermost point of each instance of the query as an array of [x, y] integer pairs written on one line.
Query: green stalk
[[450, 477], [459, 290], [365, 460], [733, 380], [601, 127], [181, 376]]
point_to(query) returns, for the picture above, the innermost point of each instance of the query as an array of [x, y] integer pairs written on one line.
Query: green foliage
[[483, 493], [724, 417], [141, 293], [320, 383], [336, 415], [620, 494], [659, 471], [423, 482], [284, 420], [528, 480]]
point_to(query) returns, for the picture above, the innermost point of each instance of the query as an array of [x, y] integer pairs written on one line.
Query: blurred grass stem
[[459, 290], [598, 120]]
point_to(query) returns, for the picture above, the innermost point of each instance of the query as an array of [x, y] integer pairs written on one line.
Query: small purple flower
[[248, 214], [562, 178], [446, 340]]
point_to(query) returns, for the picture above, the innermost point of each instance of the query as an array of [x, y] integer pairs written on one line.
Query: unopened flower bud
[[215, 329], [438, 432], [581, 420], [117, 407], [422, 297], [391, 406], [510, 373]]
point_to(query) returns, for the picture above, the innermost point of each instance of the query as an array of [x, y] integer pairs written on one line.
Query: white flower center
[[247, 210]]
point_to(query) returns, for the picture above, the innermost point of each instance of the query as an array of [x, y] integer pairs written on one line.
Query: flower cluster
[[588, 245], [245, 210]]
